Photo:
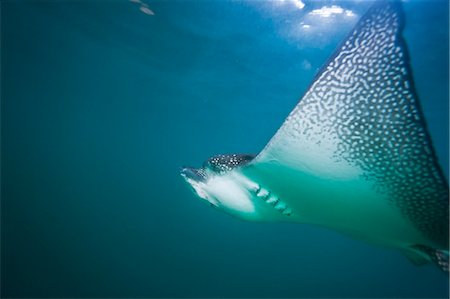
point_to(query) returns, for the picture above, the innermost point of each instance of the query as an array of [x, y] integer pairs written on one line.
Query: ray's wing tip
[[391, 6]]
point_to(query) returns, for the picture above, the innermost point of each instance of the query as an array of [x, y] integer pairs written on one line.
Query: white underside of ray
[[348, 206]]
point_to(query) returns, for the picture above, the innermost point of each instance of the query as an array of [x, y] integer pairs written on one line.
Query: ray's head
[[216, 183]]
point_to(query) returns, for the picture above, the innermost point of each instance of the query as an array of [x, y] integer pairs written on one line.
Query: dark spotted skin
[[365, 103], [224, 163]]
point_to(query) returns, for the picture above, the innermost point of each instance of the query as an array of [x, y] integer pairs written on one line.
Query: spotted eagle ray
[[353, 156]]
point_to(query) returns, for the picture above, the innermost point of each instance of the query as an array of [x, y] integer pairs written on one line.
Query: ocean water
[[104, 101]]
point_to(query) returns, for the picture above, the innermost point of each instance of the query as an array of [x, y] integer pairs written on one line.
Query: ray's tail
[[438, 257]]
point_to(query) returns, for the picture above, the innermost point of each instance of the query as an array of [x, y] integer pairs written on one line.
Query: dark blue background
[[101, 105]]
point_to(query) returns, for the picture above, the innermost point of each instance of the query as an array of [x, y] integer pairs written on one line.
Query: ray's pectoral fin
[[358, 134]]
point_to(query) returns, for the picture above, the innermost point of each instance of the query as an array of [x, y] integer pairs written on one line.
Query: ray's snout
[[192, 174]]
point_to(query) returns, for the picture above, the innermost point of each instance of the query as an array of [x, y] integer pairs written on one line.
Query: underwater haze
[[104, 101]]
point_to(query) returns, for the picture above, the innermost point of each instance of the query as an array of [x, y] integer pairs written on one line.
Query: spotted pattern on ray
[[363, 103], [224, 163]]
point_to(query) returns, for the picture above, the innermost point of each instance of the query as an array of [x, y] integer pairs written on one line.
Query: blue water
[[101, 105]]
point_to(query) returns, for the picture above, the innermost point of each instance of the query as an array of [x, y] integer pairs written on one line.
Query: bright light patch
[[328, 11], [349, 13], [297, 3]]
